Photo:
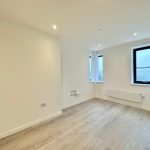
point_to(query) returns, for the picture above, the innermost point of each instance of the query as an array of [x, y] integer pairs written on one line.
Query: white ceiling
[[79, 20]]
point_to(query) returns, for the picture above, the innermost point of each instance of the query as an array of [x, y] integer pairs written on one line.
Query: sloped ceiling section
[[85, 22]]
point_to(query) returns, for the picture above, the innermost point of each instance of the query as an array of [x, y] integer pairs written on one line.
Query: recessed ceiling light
[[100, 29], [54, 27], [135, 34], [99, 45]]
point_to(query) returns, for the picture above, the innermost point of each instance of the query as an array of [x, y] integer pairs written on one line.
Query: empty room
[[75, 75]]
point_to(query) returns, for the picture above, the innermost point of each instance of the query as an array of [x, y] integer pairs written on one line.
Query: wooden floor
[[94, 125]]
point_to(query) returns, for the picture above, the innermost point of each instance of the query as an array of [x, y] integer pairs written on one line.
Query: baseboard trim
[[31, 124], [77, 103], [134, 106]]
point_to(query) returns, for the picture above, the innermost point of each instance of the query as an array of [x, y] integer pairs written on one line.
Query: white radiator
[[135, 97]]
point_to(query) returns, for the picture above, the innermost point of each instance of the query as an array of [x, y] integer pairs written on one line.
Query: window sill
[[99, 82], [91, 82], [138, 84]]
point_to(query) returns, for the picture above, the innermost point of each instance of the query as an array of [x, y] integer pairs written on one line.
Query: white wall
[[117, 74], [29, 75], [30, 64], [75, 74]]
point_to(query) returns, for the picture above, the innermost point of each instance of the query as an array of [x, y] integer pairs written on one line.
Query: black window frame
[[135, 65]]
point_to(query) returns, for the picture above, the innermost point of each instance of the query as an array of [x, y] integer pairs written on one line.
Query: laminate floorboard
[[93, 125]]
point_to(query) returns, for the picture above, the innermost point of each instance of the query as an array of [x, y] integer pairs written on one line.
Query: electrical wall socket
[[43, 105], [142, 96], [74, 93]]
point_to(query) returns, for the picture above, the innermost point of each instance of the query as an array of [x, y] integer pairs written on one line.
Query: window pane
[[143, 65], [91, 69], [100, 68], [95, 67]]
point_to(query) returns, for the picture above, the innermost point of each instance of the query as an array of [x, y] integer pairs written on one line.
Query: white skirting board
[[76, 103], [125, 104], [125, 95], [31, 124]]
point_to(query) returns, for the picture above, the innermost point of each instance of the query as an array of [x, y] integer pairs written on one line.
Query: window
[[91, 69], [96, 67], [141, 65], [99, 64]]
